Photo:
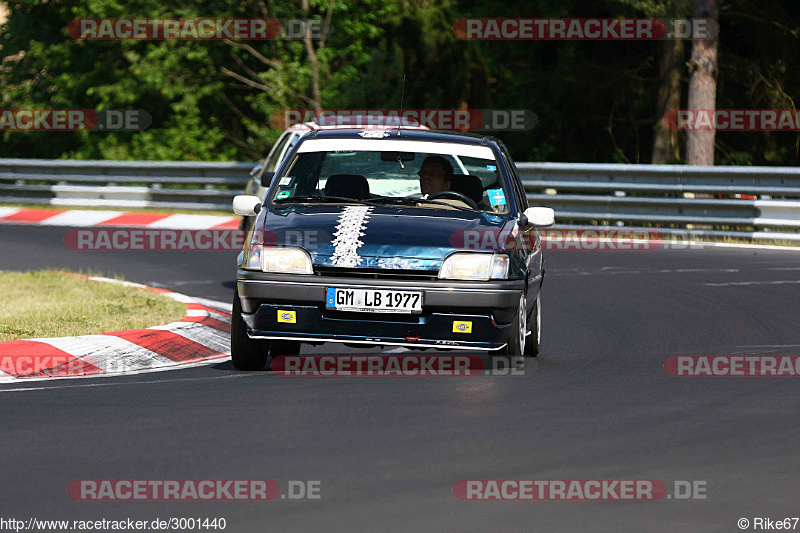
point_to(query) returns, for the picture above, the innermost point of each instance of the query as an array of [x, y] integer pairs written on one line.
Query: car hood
[[375, 237]]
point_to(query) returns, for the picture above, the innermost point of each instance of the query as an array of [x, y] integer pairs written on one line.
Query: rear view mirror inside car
[[397, 156]]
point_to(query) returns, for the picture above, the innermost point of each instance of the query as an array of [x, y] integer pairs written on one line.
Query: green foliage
[[212, 100]]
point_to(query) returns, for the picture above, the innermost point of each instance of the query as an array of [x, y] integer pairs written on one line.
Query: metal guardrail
[[674, 199], [128, 184], [783, 181], [671, 197]]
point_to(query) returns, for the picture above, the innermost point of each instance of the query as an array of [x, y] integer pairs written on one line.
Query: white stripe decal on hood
[[347, 237]]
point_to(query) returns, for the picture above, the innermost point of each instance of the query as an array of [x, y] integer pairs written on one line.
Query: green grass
[[53, 303]]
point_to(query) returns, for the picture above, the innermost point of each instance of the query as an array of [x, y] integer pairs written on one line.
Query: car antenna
[[402, 96], [400, 119]]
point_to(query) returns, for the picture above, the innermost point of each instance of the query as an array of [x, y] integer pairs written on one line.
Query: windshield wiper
[[311, 198], [380, 200], [405, 200]]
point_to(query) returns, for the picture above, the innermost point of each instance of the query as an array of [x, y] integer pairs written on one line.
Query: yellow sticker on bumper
[[462, 327], [287, 317]]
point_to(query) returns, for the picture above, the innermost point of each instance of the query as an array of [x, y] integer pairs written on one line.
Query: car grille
[[371, 273]]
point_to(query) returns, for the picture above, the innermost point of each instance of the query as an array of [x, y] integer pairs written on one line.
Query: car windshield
[[420, 174]]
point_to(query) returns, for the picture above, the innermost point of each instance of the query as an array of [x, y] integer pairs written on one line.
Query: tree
[[597, 101], [703, 71], [665, 141]]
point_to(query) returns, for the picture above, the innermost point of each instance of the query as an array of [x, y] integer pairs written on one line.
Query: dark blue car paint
[[397, 238]]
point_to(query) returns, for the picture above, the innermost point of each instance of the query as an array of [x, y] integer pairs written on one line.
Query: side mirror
[[266, 178], [538, 216], [246, 205]]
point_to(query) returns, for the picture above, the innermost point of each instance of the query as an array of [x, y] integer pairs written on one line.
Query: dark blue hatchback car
[[390, 237]]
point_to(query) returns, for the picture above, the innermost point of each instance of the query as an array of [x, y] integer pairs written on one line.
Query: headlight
[[278, 260], [476, 267]]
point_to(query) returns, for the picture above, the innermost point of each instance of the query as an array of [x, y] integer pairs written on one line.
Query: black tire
[[246, 354], [533, 342], [514, 344], [516, 347]]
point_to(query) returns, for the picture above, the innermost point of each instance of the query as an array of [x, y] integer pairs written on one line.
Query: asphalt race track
[[597, 404]]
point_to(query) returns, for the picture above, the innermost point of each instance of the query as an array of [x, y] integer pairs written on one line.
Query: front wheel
[[246, 353], [520, 341], [534, 341]]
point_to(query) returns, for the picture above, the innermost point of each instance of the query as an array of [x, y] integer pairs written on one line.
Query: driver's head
[[436, 175]]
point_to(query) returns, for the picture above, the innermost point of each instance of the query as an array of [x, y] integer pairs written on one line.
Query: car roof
[[355, 122], [407, 134]]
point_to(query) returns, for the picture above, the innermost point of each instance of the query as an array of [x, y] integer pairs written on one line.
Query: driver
[[436, 175]]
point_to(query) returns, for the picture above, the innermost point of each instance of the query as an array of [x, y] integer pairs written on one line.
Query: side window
[[519, 192], [277, 150]]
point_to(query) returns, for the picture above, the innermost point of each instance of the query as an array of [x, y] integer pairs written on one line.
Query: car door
[[532, 249]]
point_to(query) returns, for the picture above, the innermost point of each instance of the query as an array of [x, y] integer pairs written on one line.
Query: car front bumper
[[489, 306]]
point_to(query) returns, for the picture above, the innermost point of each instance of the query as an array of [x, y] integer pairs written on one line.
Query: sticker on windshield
[[283, 194], [491, 168], [496, 197], [286, 181]]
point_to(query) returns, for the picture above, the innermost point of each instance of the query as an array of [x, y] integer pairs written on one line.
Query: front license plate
[[374, 300]]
